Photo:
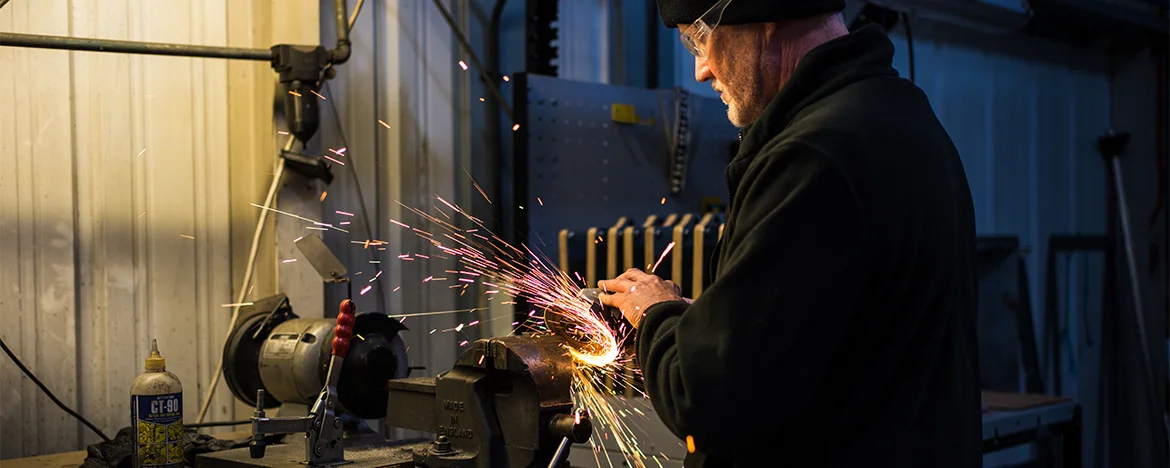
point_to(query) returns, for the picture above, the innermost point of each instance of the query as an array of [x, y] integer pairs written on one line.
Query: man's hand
[[635, 291]]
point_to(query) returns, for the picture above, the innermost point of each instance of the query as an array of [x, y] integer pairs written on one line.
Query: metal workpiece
[[503, 404]]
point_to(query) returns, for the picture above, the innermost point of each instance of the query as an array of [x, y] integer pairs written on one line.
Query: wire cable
[[53, 397], [356, 183], [909, 44]]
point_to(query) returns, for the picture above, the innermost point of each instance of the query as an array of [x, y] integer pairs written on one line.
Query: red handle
[[344, 330]]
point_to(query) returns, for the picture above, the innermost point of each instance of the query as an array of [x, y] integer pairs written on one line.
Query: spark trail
[[509, 273]]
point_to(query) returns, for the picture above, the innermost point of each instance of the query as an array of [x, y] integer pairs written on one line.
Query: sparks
[[516, 127], [384, 124], [187, 237], [506, 78], [664, 252], [344, 213], [318, 95], [289, 260], [366, 290], [663, 202], [463, 65], [334, 160], [294, 93], [539, 201], [238, 304], [323, 195]]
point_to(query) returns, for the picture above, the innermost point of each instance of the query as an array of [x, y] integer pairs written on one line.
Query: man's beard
[[746, 96]]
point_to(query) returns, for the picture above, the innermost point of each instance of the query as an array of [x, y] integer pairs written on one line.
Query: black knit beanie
[[676, 12]]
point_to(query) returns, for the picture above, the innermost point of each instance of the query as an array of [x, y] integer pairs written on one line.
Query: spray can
[[156, 414]]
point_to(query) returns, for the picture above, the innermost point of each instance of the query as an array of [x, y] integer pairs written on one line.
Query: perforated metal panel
[[586, 170]]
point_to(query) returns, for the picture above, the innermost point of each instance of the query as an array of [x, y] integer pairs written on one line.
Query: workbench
[[1011, 421]]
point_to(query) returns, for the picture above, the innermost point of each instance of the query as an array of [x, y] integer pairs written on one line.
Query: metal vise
[[505, 403]]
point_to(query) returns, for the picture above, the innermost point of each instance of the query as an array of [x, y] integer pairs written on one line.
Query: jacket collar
[[824, 70]]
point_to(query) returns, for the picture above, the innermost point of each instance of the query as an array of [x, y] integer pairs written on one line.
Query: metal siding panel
[[49, 155], [12, 257], [85, 132]]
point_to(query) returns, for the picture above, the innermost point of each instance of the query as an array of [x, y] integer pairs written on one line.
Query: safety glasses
[[694, 37]]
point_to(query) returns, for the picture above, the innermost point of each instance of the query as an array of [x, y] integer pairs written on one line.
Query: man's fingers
[[611, 300], [619, 285]]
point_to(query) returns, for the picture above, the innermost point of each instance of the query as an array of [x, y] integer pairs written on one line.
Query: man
[[839, 326]]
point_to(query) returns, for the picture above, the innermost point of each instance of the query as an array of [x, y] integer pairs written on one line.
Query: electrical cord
[[37, 381], [909, 44], [356, 183]]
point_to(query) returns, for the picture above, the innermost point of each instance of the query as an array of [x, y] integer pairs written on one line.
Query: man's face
[[741, 69]]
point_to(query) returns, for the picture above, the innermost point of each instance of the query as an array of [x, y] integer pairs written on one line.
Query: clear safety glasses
[[694, 37]]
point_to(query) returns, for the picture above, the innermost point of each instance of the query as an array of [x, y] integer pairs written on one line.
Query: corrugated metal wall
[[115, 217]]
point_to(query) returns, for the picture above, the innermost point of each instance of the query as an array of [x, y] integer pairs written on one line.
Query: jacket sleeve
[[750, 352]]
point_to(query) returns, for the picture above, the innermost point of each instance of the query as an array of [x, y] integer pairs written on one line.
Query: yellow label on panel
[[623, 113]]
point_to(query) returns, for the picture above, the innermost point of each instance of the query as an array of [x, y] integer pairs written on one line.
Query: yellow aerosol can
[[156, 414]]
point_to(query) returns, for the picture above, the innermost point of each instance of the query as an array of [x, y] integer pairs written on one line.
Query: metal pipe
[[340, 53], [132, 47], [488, 81]]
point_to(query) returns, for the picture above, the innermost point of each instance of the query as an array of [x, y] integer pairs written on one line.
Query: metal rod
[[487, 80], [357, 9], [561, 455], [1135, 289], [132, 47]]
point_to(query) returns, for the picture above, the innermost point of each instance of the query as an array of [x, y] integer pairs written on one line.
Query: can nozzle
[[155, 362]]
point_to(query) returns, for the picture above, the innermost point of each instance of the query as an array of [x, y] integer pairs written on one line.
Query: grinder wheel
[[376, 355]]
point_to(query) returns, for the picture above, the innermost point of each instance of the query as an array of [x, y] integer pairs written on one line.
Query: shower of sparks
[[318, 95], [281, 132], [290, 260], [538, 200], [506, 273], [516, 127], [480, 99], [506, 78], [238, 304], [384, 124], [323, 195], [298, 217], [664, 252], [187, 237], [663, 202], [366, 290], [344, 213], [463, 65], [294, 93], [334, 160]]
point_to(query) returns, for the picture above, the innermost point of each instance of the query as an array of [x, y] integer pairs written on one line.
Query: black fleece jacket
[[839, 328]]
